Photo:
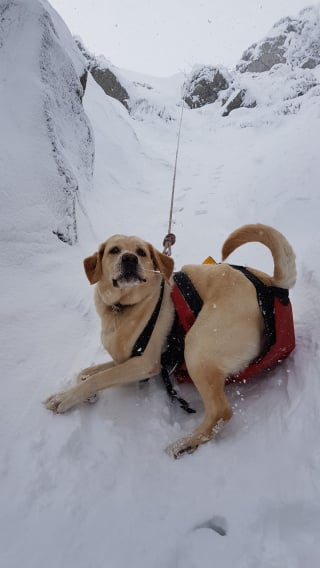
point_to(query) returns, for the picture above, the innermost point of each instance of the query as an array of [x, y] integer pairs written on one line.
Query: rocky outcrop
[[208, 84], [110, 84], [295, 41], [270, 53], [104, 75], [204, 85], [286, 55], [140, 97]]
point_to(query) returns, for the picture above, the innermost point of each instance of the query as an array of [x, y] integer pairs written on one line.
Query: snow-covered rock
[[295, 41], [204, 84], [207, 84], [104, 76], [142, 96], [239, 98], [47, 131]]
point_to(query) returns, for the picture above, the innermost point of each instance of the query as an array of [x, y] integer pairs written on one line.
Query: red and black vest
[[276, 310]]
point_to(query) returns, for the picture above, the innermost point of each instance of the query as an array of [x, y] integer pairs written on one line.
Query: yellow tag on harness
[[209, 260]]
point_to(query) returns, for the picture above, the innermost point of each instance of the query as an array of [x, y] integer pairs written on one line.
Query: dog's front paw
[[62, 401]]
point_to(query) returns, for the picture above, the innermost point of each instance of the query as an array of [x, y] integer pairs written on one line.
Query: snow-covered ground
[[93, 487]]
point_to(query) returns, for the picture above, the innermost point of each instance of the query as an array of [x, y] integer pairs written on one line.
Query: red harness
[[281, 328]]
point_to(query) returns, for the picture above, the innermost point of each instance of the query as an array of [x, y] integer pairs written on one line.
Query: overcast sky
[[162, 37]]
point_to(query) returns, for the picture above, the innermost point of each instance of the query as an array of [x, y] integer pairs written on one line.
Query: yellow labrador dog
[[227, 335]]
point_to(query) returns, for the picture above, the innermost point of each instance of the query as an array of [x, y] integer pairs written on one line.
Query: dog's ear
[[162, 262], [93, 265]]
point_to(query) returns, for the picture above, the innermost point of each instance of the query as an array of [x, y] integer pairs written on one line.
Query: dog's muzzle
[[129, 271]]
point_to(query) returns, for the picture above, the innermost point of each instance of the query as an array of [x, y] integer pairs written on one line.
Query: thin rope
[[175, 168], [170, 238]]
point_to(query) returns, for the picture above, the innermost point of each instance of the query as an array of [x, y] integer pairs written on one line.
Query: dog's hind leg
[[210, 382]]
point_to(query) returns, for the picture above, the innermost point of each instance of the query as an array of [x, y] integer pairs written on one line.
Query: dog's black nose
[[129, 258]]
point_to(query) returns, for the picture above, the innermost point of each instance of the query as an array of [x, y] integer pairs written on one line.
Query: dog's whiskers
[[153, 271]]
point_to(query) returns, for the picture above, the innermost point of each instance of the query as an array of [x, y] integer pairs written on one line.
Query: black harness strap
[[170, 355], [173, 355], [143, 339], [265, 297], [189, 292]]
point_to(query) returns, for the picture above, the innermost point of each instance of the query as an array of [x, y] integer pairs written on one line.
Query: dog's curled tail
[[285, 273]]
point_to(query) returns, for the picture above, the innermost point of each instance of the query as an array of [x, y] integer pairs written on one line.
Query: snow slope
[[94, 487]]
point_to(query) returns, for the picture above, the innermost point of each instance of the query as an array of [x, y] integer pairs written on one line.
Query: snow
[[94, 487]]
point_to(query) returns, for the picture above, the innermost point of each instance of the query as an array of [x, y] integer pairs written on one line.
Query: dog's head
[[124, 264]]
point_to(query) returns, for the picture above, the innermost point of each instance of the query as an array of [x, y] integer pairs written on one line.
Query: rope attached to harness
[[168, 242], [170, 238]]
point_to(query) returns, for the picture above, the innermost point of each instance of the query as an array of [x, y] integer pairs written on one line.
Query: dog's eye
[[141, 252], [114, 250]]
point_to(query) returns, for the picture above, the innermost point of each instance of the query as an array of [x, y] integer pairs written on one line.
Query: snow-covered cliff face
[[47, 152]]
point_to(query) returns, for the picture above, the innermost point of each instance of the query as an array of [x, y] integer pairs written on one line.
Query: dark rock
[[83, 81], [237, 101], [310, 63], [110, 84], [204, 86], [102, 74]]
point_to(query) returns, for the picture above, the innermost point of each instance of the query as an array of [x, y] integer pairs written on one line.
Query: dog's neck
[[118, 308]]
